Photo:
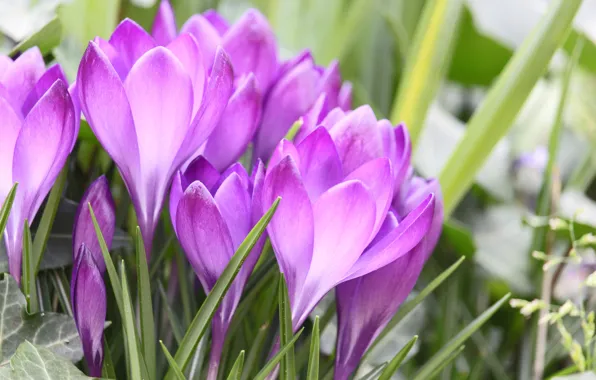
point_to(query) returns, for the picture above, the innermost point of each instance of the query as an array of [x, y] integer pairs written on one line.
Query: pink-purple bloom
[[324, 230], [88, 292], [212, 213], [39, 124], [151, 107]]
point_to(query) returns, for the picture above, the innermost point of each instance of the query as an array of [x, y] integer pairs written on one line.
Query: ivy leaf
[[32, 362], [53, 331]]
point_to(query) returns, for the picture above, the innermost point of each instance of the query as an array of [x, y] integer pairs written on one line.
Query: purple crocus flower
[[323, 230], [88, 291], [151, 107], [366, 304], [288, 89], [38, 128], [212, 214]]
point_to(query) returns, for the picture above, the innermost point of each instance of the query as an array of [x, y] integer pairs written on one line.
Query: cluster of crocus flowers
[[87, 288], [212, 213], [175, 110], [38, 129]]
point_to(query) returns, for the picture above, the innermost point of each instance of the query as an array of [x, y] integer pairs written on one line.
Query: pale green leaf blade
[[288, 364], [177, 372], [236, 371], [146, 306], [6, 207], [134, 357], [495, 115], [45, 39], [270, 366], [313, 361], [394, 364]]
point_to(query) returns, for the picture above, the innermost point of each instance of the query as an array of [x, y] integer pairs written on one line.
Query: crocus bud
[[214, 213], [87, 291], [38, 128], [151, 107]]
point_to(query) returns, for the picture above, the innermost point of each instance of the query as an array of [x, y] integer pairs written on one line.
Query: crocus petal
[[89, 308], [176, 192], [237, 126], [105, 106], [206, 35], [398, 242], [164, 25], [287, 101], [5, 63], [203, 234], [160, 94], [22, 75], [114, 57], [42, 147], [398, 148], [200, 169], [332, 118], [99, 197], [312, 119], [238, 169], [331, 84], [9, 130], [218, 22], [282, 150], [187, 51], [43, 84], [291, 229], [344, 99], [216, 96], [344, 218], [320, 165], [233, 202], [357, 138], [131, 41], [250, 42], [376, 175]]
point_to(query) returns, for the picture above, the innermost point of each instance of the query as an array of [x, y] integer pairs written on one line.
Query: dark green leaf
[[29, 280], [446, 362], [459, 238], [177, 372], [394, 364], [270, 366], [313, 361], [134, 356], [146, 307], [6, 206], [205, 314], [57, 332], [288, 364], [177, 329], [454, 344]]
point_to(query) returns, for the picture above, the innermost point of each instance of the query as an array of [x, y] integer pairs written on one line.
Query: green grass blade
[[496, 114], [444, 353], [177, 329], [146, 307], [446, 362], [203, 317], [256, 349], [107, 370], [236, 371], [394, 364], [427, 61], [288, 364], [47, 219], [313, 361], [45, 39], [270, 366], [134, 356], [173, 365], [29, 277], [410, 305], [6, 207], [375, 372]]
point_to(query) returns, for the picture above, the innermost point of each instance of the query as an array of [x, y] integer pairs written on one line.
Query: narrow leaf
[[394, 364], [112, 274], [288, 364], [177, 329], [256, 349], [45, 39], [410, 305], [29, 277], [446, 362], [134, 358], [495, 115], [313, 361], [205, 314], [173, 365], [428, 58], [270, 366], [375, 373], [42, 234], [236, 371], [444, 353], [6, 207], [145, 307]]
